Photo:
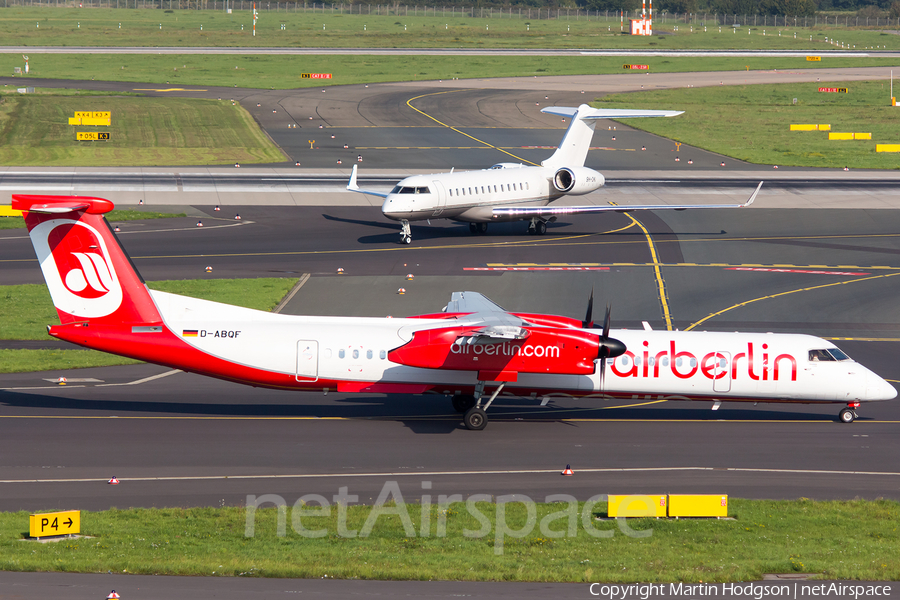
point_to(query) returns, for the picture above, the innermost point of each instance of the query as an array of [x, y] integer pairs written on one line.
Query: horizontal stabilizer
[[60, 204], [586, 112]]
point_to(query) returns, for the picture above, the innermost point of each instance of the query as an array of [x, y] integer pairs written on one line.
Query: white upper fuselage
[[331, 352], [471, 195]]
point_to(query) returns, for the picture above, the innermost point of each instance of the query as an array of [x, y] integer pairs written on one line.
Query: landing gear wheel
[[847, 415], [405, 232], [473, 227], [540, 228], [405, 239], [463, 403], [531, 228], [481, 227], [475, 419]]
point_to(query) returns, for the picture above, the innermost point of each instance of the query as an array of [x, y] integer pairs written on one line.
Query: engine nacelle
[[577, 180]]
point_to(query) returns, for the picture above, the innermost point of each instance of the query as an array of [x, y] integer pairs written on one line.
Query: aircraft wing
[[353, 187], [497, 325], [541, 211], [585, 112]]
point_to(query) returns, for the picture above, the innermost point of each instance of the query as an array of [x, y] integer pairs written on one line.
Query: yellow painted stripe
[[661, 284], [457, 130], [806, 289]]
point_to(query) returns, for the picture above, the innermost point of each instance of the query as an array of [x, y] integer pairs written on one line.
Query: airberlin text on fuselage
[[506, 349], [684, 365]]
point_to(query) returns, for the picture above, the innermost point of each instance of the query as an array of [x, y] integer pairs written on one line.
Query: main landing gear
[[478, 227], [475, 415], [537, 226], [405, 232], [849, 414]]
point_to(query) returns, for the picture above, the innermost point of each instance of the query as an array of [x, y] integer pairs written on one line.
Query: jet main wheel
[[475, 419], [473, 227], [847, 415], [462, 403], [540, 228], [405, 239]]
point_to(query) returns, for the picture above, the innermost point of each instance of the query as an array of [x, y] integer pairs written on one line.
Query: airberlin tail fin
[[89, 275]]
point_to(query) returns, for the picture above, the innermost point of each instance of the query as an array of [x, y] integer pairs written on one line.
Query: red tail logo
[[78, 268]]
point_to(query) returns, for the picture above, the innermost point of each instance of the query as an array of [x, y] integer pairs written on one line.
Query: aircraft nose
[[390, 208], [879, 389]]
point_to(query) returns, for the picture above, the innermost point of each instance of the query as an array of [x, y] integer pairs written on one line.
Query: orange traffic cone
[[209, 269], [199, 223], [401, 291], [113, 481], [61, 381], [568, 471], [112, 595]]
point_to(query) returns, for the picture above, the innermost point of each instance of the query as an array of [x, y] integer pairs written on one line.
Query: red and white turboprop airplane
[[472, 351]]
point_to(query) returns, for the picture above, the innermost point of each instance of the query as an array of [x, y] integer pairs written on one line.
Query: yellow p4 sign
[[57, 523]]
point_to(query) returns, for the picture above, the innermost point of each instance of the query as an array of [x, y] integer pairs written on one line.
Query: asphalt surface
[[181, 440]]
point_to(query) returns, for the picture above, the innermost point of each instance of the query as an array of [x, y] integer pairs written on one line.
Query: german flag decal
[[189, 333]]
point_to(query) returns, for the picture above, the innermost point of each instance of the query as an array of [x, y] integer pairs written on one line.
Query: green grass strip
[[315, 28], [856, 540], [35, 131], [752, 123], [113, 216], [284, 72], [27, 310]]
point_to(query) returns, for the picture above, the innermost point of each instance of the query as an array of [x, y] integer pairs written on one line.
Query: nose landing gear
[[405, 232], [848, 414]]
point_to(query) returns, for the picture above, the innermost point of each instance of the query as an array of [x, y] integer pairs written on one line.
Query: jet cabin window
[[831, 354]]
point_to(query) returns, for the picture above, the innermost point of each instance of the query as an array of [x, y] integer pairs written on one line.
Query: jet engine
[[577, 180]]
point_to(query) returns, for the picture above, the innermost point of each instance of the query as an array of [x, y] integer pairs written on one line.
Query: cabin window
[[451, 192], [501, 188], [341, 353], [625, 361], [369, 354], [470, 191], [382, 355], [526, 186], [327, 352], [495, 189], [355, 353]]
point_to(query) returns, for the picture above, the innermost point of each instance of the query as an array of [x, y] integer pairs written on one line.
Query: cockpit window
[[838, 354], [832, 354], [396, 189], [411, 190]]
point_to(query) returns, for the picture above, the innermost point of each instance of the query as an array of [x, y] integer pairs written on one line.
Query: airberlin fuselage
[[348, 354], [471, 195]]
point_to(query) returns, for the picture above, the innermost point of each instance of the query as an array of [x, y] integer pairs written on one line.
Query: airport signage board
[[91, 136], [637, 67], [315, 75], [835, 90], [814, 58], [56, 523]]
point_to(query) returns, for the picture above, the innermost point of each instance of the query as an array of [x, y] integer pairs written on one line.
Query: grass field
[[113, 216], [284, 72], [34, 130], [27, 310], [839, 540], [131, 27], [752, 123]]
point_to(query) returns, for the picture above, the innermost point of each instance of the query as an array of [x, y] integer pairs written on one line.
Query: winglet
[[752, 197], [352, 185]]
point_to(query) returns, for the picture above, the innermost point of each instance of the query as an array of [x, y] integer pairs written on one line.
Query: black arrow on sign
[[68, 523]]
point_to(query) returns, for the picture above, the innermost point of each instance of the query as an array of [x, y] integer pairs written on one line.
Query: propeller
[[588, 323], [609, 347]]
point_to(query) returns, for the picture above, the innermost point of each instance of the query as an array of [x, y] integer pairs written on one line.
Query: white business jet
[[513, 191], [471, 352]]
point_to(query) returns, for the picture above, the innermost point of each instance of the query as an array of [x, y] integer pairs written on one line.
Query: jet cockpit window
[[396, 189], [407, 190], [423, 190], [820, 356]]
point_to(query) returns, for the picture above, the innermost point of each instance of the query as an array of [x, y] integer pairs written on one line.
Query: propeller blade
[[588, 322], [606, 324]]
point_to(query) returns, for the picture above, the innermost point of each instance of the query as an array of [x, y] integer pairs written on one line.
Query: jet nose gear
[[848, 414], [405, 232]]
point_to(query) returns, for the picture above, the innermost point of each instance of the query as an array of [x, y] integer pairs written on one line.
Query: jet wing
[[549, 211], [353, 187]]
